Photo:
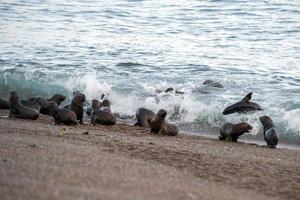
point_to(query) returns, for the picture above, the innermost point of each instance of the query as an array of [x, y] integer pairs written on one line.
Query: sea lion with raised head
[[17, 110], [104, 115], [159, 125], [57, 98], [95, 106], [270, 132], [144, 117], [4, 104], [231, 132], [36, 103], [77, 106], [242, 106], [61, 115]]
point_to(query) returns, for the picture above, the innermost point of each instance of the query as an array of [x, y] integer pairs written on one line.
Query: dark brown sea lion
[[170, 89], [57, 98], [4, 104], [77, 106], [95, 106], [144, 117], [270, 132], [243, 106], [36, 103], [61, 116], [159, 125], [212, 83], [231, 132], [103, 116], [17, 110]]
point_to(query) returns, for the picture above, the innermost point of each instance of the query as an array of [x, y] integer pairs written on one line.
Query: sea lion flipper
[[247, 98]]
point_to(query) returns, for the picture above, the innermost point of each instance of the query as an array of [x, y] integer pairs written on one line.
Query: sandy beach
[[40, 160]]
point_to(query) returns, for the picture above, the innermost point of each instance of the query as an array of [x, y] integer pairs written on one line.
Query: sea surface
[[132, 49]]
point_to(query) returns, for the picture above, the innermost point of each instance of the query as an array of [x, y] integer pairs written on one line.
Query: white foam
[[292, 119]]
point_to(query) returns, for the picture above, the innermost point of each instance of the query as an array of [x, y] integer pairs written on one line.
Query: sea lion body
[[77, 106], [103, 115], [17, 110], [159, 125], [144, 117], [61, 116], [4, 104], [271, 135], [232, 132], [36, 103], [57, 98], [242, 106], [212, 83]]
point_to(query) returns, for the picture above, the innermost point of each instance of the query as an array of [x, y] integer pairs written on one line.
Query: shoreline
[[43, 160]]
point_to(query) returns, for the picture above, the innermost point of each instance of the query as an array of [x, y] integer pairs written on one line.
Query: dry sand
[[40, 160]]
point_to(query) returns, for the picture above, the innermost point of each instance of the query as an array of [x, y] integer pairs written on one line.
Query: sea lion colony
[[100, 113]]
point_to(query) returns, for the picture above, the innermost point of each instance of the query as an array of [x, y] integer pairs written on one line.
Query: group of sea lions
[[232, 132], [100, 113]]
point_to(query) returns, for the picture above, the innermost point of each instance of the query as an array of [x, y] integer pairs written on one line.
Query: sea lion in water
[[95, 106], [18, 110], [232, 132], [103, 116], [159, 125], [243, 106], [4, 104], [77, 106], [212, 83], [170, 89], [270, 132], [36, 103], [61, 116], [144, 117]]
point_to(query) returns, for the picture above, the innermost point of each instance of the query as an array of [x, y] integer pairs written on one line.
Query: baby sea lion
[[61, 116], [270, 132], [36, 103], [4, 104], [95, 106], [103, 116], [242, 106], [212, 83], [144, 117], [18, 110], [231, 132], [77, 106], [159, 125]]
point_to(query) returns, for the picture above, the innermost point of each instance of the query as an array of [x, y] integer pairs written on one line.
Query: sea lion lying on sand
[[270, 132], [95, 106], [17, 110], [4, 104], [242, 106], [231, 132], [57, 98], [36, 103], [144, 117], [159, 125], [103, 116], [61, 116]]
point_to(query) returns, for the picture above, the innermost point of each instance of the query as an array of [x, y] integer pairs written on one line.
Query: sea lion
[[212, 83], [4, 104], [232, 132], [144, 117], [159, 125], [61, 116], [270, 132], [242, 106], [36, 103], [170, 89], [57, 98], [17, 110], [77, 106], [95, 106], [104, 115]]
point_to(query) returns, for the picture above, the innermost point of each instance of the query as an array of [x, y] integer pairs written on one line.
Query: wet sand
[[40, 160]]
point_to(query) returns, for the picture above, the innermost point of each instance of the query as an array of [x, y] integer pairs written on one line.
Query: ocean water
[[130, 49]]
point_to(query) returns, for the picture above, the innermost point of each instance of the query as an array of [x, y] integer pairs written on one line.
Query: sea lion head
[[244, 127], [79, 99], [105, 103], [162, 113], [170, 89], [266, 120], [58, 98], [95, 104]]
